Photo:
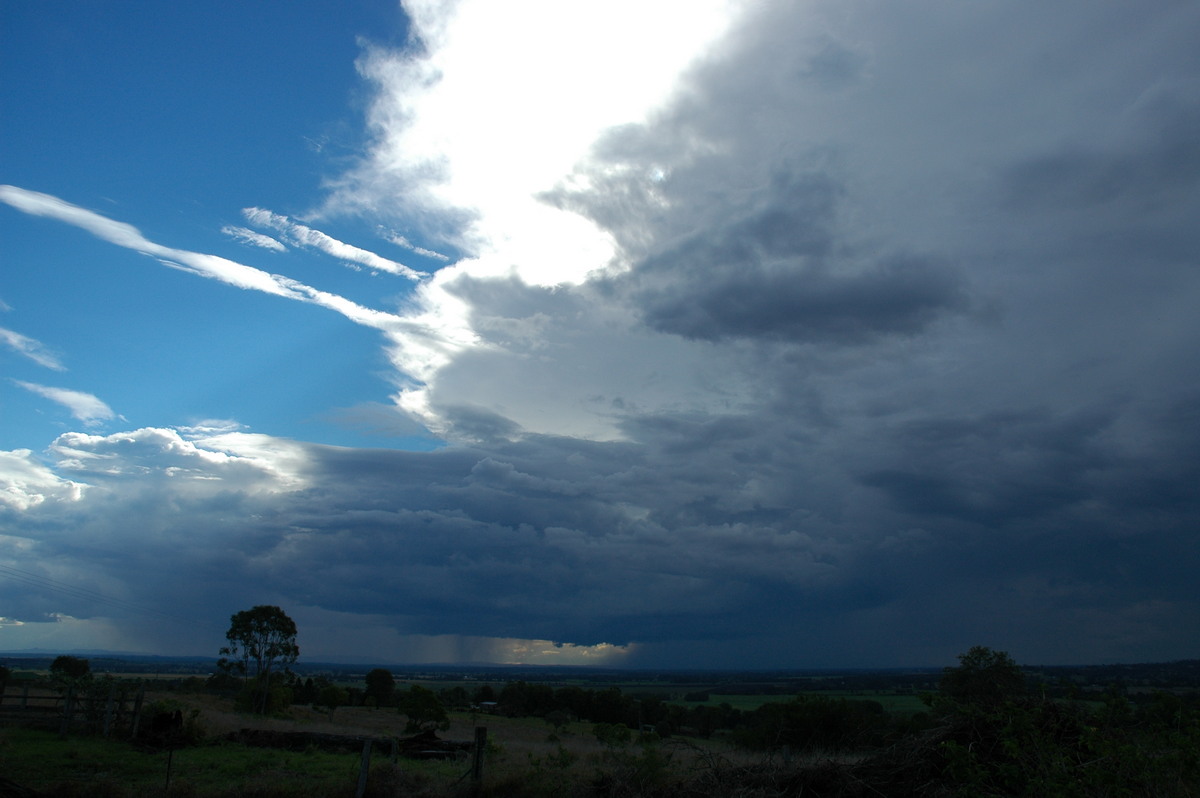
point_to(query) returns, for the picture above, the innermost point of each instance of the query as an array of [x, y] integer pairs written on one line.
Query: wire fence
[[104, 706]]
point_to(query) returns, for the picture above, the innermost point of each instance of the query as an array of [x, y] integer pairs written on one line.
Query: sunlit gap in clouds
[[511, 651], [344, 631]]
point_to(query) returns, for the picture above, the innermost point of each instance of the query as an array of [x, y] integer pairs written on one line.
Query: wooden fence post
[[480, 749], [108, 709], [68, 708], [137, 711], [364, 770], [170, 756]]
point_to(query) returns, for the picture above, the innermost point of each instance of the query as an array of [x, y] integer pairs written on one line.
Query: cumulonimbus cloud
[[469, 127], [778, 398]]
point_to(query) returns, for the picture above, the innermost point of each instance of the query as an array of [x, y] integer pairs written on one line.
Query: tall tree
[[68, 667], [380, 685], [260, 639]]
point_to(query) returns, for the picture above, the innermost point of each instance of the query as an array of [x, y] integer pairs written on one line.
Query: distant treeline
[[1167, 675]]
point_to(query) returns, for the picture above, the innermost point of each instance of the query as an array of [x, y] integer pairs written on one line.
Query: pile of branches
[[427, 745]]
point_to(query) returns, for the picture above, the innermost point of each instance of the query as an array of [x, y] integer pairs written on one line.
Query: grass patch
[[95, 766]]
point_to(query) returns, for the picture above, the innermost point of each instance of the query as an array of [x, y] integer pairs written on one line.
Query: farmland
[[577, 733]]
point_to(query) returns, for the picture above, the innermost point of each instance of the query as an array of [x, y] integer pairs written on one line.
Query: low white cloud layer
[[199, 461], [26, 482]]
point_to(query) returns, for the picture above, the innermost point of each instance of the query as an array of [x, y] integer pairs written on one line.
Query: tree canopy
[[380, 686], [423, 708], [259, 638], [983, 676], [69, 667]]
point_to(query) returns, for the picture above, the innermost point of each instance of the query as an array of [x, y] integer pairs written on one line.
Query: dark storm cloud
[[777, 266], [992, 470], [505, 541], [1156, 167], [697, 528], [898, 297], [772, 272]]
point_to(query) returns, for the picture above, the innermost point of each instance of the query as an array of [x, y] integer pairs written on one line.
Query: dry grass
[[510, 738], [218, 717], [526, 756]]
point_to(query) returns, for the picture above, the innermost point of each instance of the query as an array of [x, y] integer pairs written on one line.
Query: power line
[[75, 591]]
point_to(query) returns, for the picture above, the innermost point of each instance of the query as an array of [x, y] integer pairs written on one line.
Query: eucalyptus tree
[[261, 640]]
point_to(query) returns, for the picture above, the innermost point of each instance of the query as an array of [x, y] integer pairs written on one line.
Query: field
[[520, 749], [95, 766], [1077, 736]]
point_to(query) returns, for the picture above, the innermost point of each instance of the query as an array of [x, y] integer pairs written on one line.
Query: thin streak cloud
[[83, 406], [253, 239], [308, 237], [31, 348], [402, 241], [204, 265]]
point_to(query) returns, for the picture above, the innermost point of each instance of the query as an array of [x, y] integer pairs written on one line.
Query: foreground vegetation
[[986, 729]]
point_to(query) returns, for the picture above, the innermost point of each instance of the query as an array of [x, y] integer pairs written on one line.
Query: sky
[[706, 334]]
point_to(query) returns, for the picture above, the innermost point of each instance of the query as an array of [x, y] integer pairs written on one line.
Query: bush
[[250, 697], [815, 723], [423, 709], [635, 773], [185, 727], [613, 735]]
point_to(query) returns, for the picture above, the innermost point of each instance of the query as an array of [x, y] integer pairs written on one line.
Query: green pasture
[[42, 761]]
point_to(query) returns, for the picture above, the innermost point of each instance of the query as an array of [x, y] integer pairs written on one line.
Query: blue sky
[[800, 334], [174, 119]]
